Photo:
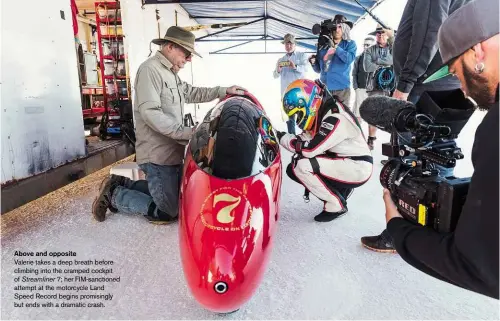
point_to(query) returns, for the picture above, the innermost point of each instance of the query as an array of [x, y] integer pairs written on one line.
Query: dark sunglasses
[[186, 52]]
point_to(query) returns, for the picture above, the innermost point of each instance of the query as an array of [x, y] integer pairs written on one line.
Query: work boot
[[329, 216], [370, 142], [103, 202], [379, 243], [159, 217], [161, 221]]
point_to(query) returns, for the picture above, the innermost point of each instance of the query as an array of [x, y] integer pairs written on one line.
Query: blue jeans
[[157, 196]]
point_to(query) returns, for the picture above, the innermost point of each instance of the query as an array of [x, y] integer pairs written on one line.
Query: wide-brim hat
[[342, 19], [380, 28], [179, 36], [289, 38]]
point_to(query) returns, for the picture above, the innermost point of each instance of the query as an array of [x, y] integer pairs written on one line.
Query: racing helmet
[[303, 98]]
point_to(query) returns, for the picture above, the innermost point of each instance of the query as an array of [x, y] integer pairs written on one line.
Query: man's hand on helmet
[[236, 90]]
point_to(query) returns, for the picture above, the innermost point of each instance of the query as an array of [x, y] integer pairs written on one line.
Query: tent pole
[[223, 17], [290, 24], [219, 32], [265, 26], [238, 45], [269, 38], [257, 53]]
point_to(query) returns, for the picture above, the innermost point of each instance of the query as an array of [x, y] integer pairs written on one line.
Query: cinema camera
[[412, 175], [324, 30]]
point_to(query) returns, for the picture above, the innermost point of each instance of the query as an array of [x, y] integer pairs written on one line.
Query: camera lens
[[389, 173]]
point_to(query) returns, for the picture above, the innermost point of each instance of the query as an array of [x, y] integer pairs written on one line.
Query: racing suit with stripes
[[334, 160]]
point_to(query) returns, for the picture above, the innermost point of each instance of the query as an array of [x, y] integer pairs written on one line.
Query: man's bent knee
[[168, 203], [163, 183]]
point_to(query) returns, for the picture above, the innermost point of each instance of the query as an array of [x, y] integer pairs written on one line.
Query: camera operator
[[468, 256], [416, 53], [334, 63], [377, 57]]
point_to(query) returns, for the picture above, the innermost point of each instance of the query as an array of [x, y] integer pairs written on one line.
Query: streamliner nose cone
[[229, 204]]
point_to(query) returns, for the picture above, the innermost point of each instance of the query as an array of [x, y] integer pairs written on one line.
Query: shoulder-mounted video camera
[[325, 28]]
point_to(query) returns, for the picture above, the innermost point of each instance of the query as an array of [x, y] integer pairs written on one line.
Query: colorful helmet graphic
[[303, 98], [266, 131]]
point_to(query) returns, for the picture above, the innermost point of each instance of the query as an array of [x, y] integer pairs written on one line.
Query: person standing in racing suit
[[331, 156]]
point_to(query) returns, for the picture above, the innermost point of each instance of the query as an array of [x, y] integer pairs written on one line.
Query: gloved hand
[[280, 134], [299, 144]]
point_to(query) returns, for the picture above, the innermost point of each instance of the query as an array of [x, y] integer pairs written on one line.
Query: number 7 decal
[[224, 214]]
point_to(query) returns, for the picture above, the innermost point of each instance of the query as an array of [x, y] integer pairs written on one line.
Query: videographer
[[415, 54], [468, 256], [334, 63]]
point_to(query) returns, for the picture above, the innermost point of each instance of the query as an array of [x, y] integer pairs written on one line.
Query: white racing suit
[[334, 161]]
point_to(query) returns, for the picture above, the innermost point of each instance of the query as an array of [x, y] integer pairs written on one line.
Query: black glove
[[299, 144], [280, 134]]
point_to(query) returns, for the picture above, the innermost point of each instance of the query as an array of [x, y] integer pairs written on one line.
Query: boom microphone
[[372, 15], [387, 113]]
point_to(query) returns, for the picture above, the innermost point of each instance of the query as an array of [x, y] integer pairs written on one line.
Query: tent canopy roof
[[270, 19]]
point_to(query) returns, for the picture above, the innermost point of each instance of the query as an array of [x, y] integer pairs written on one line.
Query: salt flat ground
[[317, 270]]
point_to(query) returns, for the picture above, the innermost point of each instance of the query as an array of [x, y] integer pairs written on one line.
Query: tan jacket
[[159, 111]]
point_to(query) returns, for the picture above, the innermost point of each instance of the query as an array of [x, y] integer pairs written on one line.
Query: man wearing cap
[[359, 78], [468, 257], [290, 67], [334, 63], [376, 57], [159, 101], [415, 57]]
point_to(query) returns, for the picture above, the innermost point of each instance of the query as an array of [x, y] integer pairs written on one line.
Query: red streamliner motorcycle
[[229, 203]]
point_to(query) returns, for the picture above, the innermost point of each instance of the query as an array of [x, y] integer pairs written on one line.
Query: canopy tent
[[269, 20]]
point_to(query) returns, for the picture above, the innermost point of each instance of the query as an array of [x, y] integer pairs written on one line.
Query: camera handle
[[392, 148], [394, 138]]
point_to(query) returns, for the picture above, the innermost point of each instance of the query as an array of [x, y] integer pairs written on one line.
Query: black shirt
[[359, 75], [416, 54], [467, 257]]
